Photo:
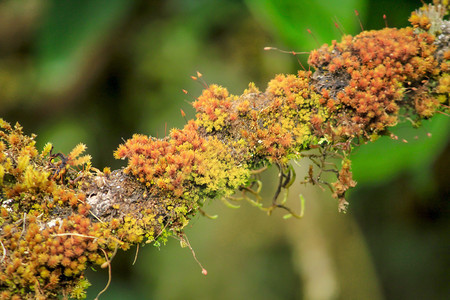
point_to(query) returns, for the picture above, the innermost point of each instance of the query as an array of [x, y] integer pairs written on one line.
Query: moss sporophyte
[[59, 215]]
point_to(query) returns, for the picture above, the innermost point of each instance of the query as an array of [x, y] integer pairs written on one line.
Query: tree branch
[[59, 215]]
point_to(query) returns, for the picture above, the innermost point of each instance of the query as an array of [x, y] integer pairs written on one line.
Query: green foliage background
[[97, 71]]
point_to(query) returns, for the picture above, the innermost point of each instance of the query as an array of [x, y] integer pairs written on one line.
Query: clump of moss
[[214, 107], [48, 233], [379, 71], [361, 87], [42, 255], [185, 168]]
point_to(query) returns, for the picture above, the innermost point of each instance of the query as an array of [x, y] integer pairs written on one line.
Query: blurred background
[[97, 71]]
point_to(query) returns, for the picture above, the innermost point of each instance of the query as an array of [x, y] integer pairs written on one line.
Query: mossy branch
[[59, 215]]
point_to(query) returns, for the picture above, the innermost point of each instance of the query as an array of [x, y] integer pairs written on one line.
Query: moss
[[213, 108], [379, 70], [38, 250], [59, 215], [355, 94]]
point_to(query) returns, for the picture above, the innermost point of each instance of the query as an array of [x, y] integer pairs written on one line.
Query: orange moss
[[213, 108], [420, 21], [377, 70], [184, 161]]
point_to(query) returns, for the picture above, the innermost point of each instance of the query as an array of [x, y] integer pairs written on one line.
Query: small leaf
[[227, 203], [302, 206]]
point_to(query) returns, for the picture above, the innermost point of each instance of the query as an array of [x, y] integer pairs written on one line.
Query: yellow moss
[[47, 148], [80, 148], [36, 186], [444, 84], [22, 163], [218, 172], [35, 179], [251, 89], [2, 174]]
